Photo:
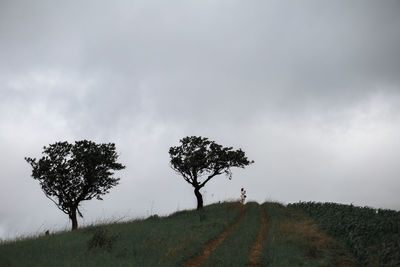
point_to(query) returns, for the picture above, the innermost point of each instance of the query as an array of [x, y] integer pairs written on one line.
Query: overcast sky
[[310, 90]]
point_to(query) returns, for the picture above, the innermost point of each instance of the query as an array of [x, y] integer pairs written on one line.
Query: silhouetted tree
[[198, 160], [72, 173]]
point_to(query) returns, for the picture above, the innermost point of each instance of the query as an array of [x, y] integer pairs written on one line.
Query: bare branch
[[209, 178], [56, 204]]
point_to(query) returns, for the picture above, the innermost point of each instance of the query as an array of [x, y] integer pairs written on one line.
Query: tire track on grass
[[213, 244], [256, 249]]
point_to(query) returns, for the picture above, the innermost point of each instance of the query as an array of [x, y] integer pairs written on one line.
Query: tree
[[72, 173], [198, 160]]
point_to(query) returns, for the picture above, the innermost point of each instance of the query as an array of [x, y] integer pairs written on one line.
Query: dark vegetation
[[163, 241], [72, 173], [373, 236], [198, 160], [292, 239], [234, 250], [101, 239]]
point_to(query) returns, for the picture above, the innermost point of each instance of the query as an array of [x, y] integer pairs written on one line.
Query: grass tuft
[[101, 239]]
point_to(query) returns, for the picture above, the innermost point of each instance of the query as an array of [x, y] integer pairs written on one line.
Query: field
[[223, 234], [373, 236]]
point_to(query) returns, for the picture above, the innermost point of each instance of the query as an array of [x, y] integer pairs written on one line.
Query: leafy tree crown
[[71, 173], [199, 157]]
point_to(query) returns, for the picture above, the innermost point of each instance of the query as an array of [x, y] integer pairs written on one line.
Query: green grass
[[292, 239], [166, 241], [372, 235], [234, 251]]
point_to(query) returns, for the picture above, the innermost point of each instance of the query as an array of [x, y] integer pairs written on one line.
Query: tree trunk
[[72, 216], [199, 198]]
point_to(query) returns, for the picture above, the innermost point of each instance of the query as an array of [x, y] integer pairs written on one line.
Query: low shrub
[[101, 239]]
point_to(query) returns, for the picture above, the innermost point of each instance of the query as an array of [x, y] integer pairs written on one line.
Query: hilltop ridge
[[225, 234]]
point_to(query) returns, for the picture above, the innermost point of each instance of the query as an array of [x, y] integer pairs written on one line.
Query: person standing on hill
[[242, 195]]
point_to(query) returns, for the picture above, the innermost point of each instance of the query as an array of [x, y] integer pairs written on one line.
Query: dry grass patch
[[308, 233]]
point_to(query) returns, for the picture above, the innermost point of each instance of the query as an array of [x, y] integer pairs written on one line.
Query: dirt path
[[213, 244], [255, 252]]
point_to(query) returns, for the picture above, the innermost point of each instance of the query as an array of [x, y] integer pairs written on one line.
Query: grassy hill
[[225, 234]]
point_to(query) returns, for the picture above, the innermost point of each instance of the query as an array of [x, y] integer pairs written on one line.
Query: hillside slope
[[372, 235], [226, 234]]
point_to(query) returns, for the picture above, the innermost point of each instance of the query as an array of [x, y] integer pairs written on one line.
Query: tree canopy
[[71, 173], [199, 159]]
